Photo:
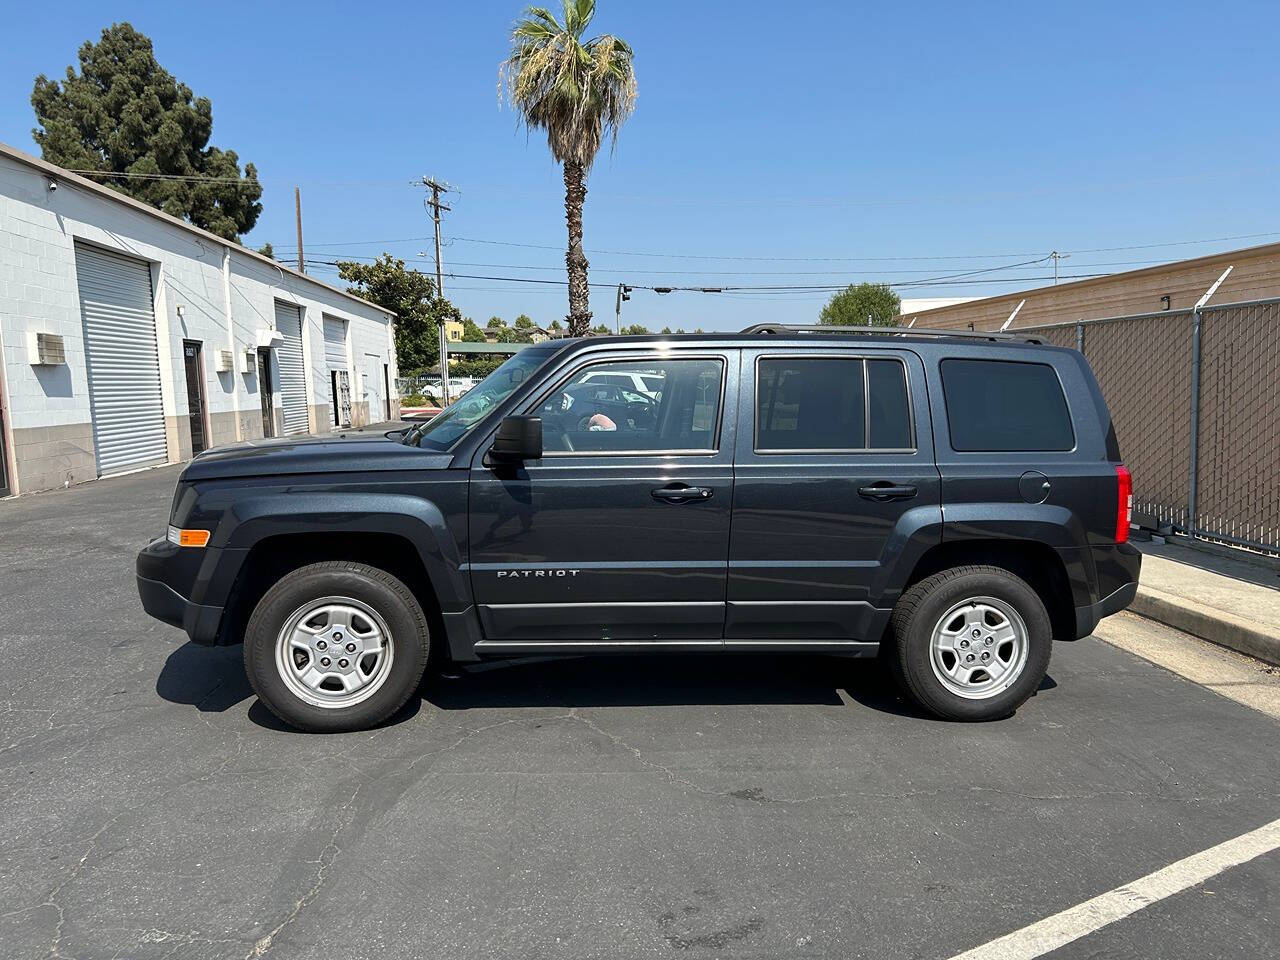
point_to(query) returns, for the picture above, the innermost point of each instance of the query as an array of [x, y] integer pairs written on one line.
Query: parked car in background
[[953, 500], [644, 382]]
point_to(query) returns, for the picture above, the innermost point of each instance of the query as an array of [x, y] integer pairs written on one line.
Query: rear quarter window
[[1005, 406]]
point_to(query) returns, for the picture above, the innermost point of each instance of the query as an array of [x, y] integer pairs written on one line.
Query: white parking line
[[1053, 932]]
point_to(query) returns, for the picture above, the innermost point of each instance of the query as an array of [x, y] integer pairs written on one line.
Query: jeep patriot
[[952, 501]]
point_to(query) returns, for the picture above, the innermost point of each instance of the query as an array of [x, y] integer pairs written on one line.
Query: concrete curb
[[1216, 626]]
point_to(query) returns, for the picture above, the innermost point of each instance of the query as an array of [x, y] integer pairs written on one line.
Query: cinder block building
[[130, 338]]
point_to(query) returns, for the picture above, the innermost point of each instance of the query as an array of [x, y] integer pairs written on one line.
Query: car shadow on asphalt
[[670, 680], [212, 679]]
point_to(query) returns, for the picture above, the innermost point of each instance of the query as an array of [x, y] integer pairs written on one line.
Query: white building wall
[[48, 417]]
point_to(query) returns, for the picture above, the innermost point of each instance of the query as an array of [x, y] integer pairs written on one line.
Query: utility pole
[[297, 210], [436, 206], [624, 293], [1056, 257]]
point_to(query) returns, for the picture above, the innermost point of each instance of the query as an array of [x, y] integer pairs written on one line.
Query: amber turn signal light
[[188, 538]]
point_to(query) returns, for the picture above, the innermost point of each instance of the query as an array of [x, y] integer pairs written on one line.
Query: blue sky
[[951, 137]]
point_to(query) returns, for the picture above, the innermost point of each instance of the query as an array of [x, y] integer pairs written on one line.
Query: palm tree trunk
[[575, 194]]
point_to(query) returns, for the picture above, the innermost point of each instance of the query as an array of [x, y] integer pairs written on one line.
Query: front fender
[[248, 520]]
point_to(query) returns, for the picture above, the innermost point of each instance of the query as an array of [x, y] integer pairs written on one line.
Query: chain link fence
[[1195, 398]]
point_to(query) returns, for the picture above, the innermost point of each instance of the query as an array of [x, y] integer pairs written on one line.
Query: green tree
[[125, 114], [635, 330], [494, 323], [523, 322], [267, 251], [598, 328], [514, 335], [862, 304], [480, 366], [556, 325], [412, 297], [471, 332], [666, 329], [577, 91]]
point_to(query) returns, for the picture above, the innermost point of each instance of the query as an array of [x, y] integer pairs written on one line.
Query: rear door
[[834, 480], [620, 533]]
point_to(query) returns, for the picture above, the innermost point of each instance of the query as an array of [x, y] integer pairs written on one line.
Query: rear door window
[[1005, 406], [821, 403]]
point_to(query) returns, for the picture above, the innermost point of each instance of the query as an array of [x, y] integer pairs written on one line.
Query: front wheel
[[336, 647], [970, 643]]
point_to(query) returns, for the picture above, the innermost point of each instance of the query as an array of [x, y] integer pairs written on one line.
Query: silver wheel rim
[[334, 652], [979, 648]]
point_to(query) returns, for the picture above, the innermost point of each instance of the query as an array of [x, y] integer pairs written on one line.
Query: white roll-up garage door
[[123, 366], [293, 377], [335, 343]]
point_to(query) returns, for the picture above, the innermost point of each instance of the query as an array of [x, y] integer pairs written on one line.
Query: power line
[[710, 272], [126, 175], [780, 259], [945, 280]]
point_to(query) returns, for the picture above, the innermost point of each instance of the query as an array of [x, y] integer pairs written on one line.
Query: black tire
[[393, 602], [919, 610]]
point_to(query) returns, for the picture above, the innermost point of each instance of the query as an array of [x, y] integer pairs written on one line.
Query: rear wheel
[[970, 643], [336, 646]]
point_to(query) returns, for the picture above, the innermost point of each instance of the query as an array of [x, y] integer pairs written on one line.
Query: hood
[[339, 453]]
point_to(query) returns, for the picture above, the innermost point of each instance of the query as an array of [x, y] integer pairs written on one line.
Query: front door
[[191, 358], [620, 533], [834, 478], [264, 392]]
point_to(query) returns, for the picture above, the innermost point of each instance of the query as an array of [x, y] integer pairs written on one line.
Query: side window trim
[[866, 405], [657, 358]]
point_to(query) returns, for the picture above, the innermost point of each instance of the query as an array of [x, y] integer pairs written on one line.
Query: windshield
[[449, 427]]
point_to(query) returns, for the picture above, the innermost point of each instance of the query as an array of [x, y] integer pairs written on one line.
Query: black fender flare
[[250, 520]]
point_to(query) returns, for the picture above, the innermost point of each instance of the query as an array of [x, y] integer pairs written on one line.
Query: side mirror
[[518, 439]]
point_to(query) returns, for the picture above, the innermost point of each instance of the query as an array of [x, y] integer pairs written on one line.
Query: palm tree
[[575, 90]]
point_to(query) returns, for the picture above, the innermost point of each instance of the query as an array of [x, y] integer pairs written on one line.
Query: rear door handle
[[885, 490], [679, 493]]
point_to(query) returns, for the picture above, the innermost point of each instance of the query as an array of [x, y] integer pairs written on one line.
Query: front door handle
[[885, 490], [680, 493]]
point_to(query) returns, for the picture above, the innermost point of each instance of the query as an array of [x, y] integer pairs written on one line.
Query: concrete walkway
[[1232, 600]]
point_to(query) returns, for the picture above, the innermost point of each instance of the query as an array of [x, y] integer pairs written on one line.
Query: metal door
[[265, 389], [191, 359], [335, 361], [335, 343], [373, 386], [293, 377], [123, 366]]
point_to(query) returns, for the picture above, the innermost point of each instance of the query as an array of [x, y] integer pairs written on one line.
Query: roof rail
[[781, 328]]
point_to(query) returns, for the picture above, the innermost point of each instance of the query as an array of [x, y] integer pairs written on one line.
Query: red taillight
[[1124, 503]]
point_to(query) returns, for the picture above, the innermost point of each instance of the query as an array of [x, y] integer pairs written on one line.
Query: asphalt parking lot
[[670, 807]]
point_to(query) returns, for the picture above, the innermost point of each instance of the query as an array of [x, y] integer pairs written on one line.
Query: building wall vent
[[226, 361], [45, 349], [249, 360]]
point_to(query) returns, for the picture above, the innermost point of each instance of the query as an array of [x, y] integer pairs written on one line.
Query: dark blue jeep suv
[[950, 500]]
